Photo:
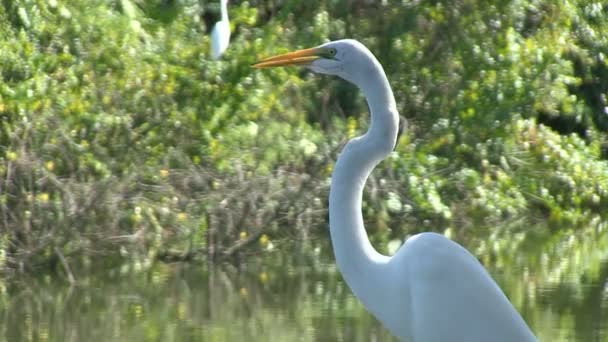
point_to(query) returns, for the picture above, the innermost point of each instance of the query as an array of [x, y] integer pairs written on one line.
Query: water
[[267, 299]]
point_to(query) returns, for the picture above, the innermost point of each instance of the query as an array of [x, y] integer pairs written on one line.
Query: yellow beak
[[300, 57]]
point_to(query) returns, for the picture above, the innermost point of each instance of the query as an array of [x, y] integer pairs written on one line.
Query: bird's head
[[346, 58]]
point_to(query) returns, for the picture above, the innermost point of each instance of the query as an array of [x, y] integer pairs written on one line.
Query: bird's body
[[432, 289], [220, 36], [435, 290]]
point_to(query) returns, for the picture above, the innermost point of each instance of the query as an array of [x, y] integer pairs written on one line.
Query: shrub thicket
[[119, 135]]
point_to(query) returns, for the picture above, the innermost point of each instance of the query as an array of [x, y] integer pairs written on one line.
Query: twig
[[239, 245], [66, 266]]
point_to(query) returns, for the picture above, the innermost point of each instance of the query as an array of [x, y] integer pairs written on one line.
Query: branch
[[66, 266]]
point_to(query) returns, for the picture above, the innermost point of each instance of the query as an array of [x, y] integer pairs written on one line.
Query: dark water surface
[[273, 300]]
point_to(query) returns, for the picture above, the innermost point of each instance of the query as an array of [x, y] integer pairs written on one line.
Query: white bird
[[220, 36], [432, 289]]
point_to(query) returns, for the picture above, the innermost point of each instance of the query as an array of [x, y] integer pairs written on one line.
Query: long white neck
[[224, 9], [356, 258]]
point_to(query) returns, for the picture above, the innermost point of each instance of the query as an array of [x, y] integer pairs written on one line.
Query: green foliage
[[119, 135]]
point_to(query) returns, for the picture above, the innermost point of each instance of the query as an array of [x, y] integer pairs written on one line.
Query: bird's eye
[[331, 52]]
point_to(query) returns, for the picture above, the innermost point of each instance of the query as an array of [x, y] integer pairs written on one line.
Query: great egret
[[432, 289], [220, 36]]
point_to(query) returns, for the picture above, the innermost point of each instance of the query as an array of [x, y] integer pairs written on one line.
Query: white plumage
[[432, 289], [220, 36]]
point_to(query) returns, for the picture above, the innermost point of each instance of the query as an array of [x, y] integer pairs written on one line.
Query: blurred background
[[150, 192]]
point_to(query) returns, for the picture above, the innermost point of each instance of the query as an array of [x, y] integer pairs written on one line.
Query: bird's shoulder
[[433, 255], [449, 288]]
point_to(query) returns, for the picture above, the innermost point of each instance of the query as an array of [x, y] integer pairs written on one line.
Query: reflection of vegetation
[[119, 136], [271, 300], [171, 303], [567, 276]]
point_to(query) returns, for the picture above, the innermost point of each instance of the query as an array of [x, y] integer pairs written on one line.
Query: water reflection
[[270, 301]]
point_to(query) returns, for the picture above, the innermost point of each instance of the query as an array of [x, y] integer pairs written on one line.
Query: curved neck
[[356, 258]]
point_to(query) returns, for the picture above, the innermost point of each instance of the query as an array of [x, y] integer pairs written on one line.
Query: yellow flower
[[182, 217], [164, 173], [11, 155], [43, 197], [49, 165], [264, 240], [243, 235], [263, 277], [351, 127]]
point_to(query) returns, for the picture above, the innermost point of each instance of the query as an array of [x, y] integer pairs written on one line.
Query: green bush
[[118, 135]]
